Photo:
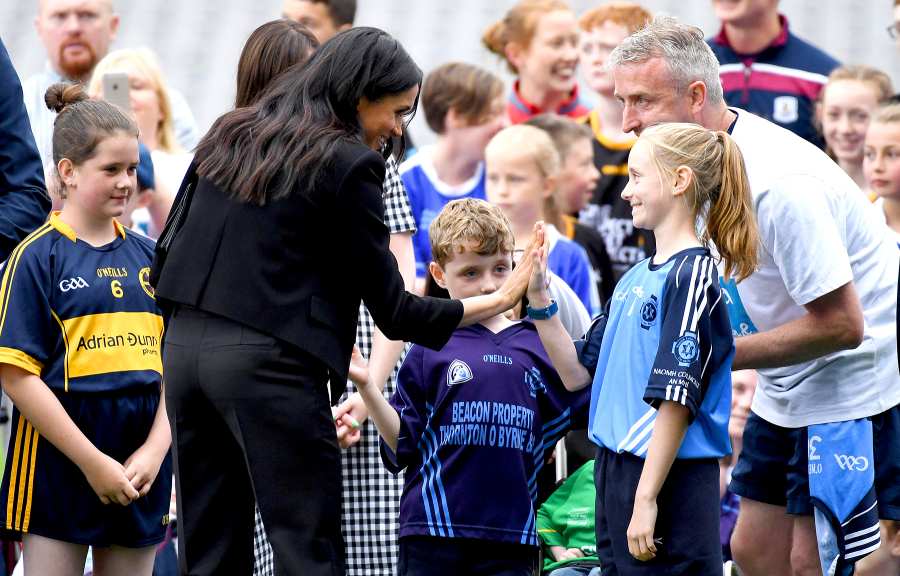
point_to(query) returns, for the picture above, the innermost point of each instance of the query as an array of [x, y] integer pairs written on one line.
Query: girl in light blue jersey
[[660, 363]]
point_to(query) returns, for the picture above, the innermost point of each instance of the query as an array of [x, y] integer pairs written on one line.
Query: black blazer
[[298, 268]]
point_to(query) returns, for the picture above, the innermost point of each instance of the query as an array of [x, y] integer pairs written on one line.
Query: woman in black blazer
[[283, 238]]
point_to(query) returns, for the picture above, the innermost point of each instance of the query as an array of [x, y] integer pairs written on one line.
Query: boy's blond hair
[[469, 224]]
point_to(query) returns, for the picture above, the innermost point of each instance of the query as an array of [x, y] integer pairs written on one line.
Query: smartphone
[[115, 90]]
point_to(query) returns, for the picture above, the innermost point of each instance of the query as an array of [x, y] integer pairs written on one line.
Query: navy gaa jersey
[[668, 338], [82, 318], [478, 419]]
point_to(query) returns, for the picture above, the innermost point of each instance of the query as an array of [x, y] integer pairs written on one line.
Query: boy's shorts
[[439, 556], [687, 520], [772, 467], [45, 493]]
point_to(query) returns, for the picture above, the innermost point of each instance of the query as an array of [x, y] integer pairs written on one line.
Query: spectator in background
[[464, 106], [767, 70], [851, 96], [575, 184], [538, 39], [881, 164], [270, 50], [150, 102], [24, 203], [602, 29], [523, 167], [324, 18], [77, 34]]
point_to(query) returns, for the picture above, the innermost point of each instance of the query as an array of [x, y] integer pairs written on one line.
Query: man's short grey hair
[[681, 46]]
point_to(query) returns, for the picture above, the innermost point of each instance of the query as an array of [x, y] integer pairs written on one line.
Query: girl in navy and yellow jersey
[[80, 332]]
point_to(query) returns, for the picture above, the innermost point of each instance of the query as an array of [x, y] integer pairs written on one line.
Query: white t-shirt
[[879, 207], [818, 232]]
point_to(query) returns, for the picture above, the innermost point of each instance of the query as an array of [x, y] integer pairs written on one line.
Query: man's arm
[[833, 322], [24, 203]]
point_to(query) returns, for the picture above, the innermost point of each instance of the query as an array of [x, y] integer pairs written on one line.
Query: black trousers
[[251, 422]]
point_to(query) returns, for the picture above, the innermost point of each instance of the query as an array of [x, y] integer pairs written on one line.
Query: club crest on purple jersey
[[458, 372]]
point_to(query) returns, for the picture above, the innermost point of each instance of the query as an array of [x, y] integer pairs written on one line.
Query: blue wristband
[[543, 313]]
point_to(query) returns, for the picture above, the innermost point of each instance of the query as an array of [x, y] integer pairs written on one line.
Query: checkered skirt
[[371, 494]]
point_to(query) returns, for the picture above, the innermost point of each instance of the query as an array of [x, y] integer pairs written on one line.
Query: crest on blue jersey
[[458, 373], [535, 382], [649, 312], [686, 349]]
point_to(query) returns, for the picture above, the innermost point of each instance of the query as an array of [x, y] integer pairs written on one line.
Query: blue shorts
[[45, 493], [772, 467], [687, 519]]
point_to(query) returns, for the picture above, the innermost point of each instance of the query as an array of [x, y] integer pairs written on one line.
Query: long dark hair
[[287, 138], [270, 50]]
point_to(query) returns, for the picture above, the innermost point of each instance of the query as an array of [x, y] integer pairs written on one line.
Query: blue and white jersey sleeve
[[695, 335], [28, 333], [410, 403]]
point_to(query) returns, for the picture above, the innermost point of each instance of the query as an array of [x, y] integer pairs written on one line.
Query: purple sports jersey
[[478, 420]]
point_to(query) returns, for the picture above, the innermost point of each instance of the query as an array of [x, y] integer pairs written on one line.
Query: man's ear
[[438, 274], [697, 93], [682, 178]]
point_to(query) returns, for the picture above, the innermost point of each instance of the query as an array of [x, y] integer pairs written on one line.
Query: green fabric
[[567, 518]]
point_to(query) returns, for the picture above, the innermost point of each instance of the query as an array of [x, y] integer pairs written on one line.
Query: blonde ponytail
[[719, 193], [731, 224]]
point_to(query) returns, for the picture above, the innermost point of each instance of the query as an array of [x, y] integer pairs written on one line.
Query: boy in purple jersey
[[474, 422]]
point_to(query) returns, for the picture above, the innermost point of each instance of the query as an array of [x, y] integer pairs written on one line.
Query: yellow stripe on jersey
[[31, 471], [594, 120], [26, 446], [11, 263], [62, 329], [116, 342], [20, 359], [13, 473], [615, 170]]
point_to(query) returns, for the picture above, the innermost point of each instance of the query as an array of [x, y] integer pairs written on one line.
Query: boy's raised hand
[[538, 296], [517, 282]]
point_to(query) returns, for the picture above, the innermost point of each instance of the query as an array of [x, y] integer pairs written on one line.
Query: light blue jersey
[[668, 338]]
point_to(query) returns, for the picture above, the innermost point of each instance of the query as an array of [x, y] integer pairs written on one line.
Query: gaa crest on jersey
[[144, 278], [649, 312], [686, 349], [458, 373], [535, 382], [786, 109]]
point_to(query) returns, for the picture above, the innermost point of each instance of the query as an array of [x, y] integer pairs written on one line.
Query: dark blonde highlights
[[719, 191]]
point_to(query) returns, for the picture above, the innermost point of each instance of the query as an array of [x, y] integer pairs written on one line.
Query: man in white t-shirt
[[817, 318]]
